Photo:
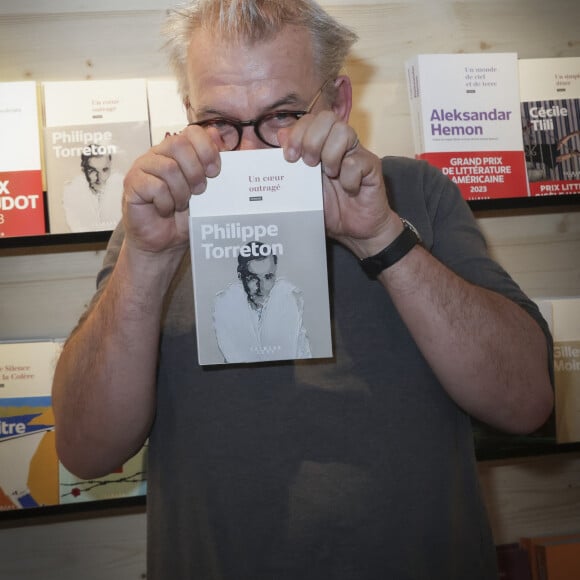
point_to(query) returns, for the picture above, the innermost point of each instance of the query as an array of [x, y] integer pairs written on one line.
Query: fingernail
[[212, 170], [290, 154]]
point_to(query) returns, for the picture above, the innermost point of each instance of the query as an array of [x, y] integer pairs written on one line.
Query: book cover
[[566, 313], [28, 462], [21, 195], [167, 114], [94, 131], [558, 559], [550, 111], [129, 480], [531, 545], [258, 251], [465, 115], [513, 562]]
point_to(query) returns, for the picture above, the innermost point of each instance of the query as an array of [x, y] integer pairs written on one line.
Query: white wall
[[42, 292]]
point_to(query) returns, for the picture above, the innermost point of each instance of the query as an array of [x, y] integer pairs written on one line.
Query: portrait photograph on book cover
[[85, 177], [261, 299]]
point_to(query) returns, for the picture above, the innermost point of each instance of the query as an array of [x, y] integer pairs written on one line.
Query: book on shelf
[[94, 130], [465, 115], [129, 480], [258, 251], [22, 210], [167, 114], [550, 111], [31, 475], [534, 546], [558, 559], [28, 461], [566, 332], [552, 555], [513, 562]]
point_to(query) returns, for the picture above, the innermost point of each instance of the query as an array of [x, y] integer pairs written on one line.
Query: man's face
[[97, 171], [259, 280], [244, 82]]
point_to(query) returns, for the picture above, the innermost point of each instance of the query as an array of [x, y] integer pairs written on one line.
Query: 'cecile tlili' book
[[465, 113], [94, 131], [550, 110], [259, 266], [21, 195]]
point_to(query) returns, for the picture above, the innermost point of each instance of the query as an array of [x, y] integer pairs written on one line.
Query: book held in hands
[[259, 268], [94, 131], [465, 114], [21, 195]]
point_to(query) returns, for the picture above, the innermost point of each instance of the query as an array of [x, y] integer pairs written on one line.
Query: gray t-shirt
[[355, 468]]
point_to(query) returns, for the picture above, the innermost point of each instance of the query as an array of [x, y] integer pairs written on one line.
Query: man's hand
[[356, 209], [158, 186]]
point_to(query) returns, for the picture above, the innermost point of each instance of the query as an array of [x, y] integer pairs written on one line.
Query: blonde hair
[[249, 21]]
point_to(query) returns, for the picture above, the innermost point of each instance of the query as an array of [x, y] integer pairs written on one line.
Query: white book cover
[[258, 251], [94, 131], [167, 114], [465, 115], [28, 461], [550, 110], [566, 314], [21, 195]]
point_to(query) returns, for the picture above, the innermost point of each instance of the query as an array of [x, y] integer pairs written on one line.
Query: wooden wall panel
[[43, 294], [94, 549]]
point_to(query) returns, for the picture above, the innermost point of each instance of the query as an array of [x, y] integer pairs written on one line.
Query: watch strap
[[397, 249]]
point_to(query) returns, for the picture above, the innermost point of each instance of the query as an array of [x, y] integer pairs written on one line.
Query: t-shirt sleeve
[[433, 203]]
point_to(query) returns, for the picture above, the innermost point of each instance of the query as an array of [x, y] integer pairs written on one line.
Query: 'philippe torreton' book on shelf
[[94, 130], [259, 262]]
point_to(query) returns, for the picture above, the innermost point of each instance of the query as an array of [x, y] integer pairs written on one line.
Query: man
[[260, 317], [92, 200], [360, 467]]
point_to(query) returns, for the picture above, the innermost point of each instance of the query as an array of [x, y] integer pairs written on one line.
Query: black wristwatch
[[397, 249]]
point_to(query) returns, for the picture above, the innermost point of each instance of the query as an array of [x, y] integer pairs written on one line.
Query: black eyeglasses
[[266, 126]]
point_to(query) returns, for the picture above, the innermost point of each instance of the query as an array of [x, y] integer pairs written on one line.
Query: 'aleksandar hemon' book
[[94, 131], [465, 113], [259, 262], [21, 195], [550, 108]]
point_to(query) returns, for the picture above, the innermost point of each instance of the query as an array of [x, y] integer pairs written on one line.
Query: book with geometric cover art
[[31, 475], [550, 111], [167, 114], [21, 195], [465, 114], [94, 131], [129, 480], [28, 461], [258, 251]]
